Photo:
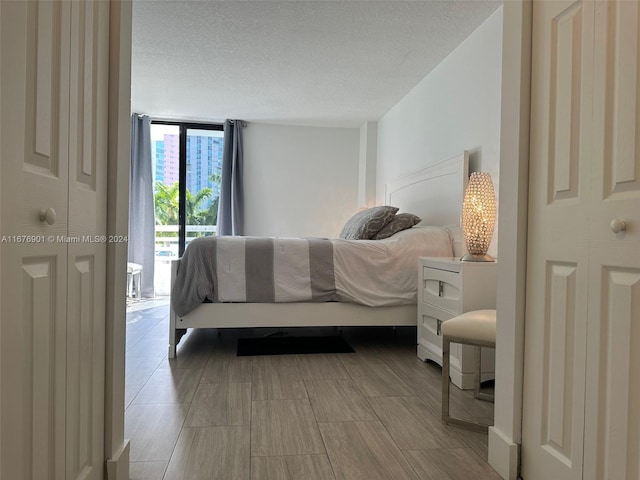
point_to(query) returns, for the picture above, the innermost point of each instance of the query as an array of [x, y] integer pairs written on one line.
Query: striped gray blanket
[[254, 269]]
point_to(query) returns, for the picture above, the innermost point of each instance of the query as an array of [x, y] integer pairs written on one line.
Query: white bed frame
[[433, 193]]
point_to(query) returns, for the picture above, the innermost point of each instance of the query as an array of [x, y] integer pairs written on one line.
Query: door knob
[[48, 215], [618, 225]]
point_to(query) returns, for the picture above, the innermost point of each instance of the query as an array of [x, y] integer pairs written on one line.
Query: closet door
[[54, 67], [612, 433], [558, 245], [581, 415], [34, 63], [89, 54]]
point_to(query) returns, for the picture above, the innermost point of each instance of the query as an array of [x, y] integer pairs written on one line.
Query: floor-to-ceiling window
[[187, 166]]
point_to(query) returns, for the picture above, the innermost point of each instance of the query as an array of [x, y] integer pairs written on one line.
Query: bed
[[434, 194]]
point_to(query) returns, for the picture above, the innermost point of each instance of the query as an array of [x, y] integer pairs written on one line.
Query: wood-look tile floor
[[373, 414]]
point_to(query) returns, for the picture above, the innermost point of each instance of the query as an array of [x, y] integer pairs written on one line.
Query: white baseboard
[[503, 454], [118, 466]]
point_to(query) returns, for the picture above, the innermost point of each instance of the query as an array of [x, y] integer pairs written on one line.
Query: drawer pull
[[440, 288], [438, 327]]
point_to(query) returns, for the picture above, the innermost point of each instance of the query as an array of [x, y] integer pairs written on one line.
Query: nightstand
[[448, 287]]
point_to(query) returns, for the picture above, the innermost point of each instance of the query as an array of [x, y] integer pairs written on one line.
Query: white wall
[[506, 434], [299, 181], [116, 447], [455, 107], [368, 160]]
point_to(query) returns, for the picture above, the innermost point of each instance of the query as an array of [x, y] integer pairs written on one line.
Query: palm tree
[[166, 206], [211, 214], [216, 178], [166, 203], [195, 215]]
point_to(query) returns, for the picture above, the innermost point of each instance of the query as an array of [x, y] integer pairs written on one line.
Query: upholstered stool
[[477, 328]]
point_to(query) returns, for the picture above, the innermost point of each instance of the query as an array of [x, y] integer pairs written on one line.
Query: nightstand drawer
[[435, 313], [431, 321], [441, 288]]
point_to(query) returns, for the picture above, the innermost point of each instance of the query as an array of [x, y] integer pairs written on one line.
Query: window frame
[[182, 170]]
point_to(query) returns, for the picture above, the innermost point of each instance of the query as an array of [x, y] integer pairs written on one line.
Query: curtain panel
[[141, 204], [231, 204]]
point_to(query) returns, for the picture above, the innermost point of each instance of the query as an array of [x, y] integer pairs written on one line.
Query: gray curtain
[[141, 207], [231, 204]]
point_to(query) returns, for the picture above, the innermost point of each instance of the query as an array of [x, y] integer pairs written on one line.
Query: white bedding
[[385, 272]]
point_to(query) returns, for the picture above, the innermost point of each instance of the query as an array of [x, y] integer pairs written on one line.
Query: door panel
[[613, 436], [88, 118], [46, 109], [53, 275], [80, 352], [33, 362], [34, 89], [607, 272], [612, 443], [618, 56], [565, 83], [87, 224], [82, 120], [43, 365], [558, 392], [558, 247], [85, 362]]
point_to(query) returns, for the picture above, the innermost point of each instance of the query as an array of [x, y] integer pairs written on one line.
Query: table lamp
[[478, 217]]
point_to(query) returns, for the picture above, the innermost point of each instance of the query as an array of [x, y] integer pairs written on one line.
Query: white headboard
[[434, 194]]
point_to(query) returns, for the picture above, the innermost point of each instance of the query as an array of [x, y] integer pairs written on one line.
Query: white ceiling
[[325, 63]]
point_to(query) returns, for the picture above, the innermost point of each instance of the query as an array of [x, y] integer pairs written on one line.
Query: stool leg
[[136, 284], [478, 373], [445, 379], [446, 418], [477, 370]]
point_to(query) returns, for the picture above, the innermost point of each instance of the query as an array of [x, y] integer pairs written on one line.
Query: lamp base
[[477, 258]]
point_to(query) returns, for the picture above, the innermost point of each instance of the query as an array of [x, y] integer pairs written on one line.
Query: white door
[[583, 290], [53, 63], [34, 62], [88, 86], [557, 260], [612, 430]]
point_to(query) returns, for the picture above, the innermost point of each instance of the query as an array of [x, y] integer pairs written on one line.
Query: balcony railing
[[167, 246], [167, 249]]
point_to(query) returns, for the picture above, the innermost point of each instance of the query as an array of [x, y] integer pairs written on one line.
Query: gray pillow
[[400, 222], [365, 224]]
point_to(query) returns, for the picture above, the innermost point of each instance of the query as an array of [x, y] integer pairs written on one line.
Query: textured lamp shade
[[478, 216]]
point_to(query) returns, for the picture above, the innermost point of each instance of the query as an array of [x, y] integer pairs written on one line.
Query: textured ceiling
[[337, 63]]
